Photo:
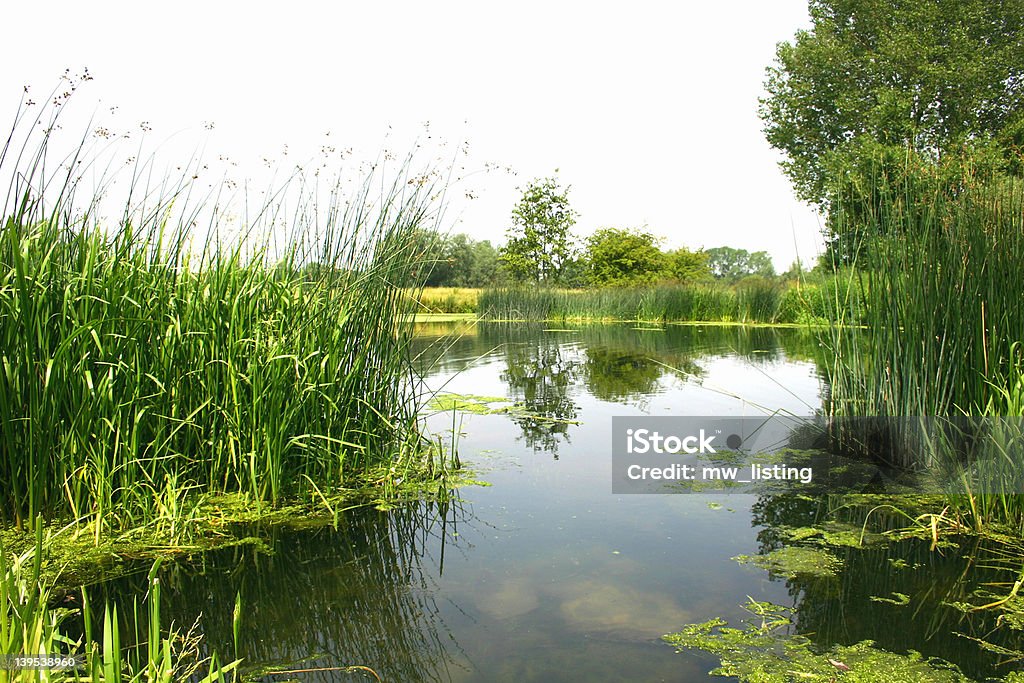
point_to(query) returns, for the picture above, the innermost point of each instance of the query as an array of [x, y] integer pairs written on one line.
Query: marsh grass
[[942, 314], [445, 299], [940, 279], [753, 300], [142, 364]]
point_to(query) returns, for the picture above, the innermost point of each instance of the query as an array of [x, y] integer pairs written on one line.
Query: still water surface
[[545, 575]]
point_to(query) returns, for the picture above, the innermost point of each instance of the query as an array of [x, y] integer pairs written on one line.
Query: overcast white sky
[[647, 109]]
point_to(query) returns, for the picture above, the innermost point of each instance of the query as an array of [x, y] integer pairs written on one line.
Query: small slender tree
[[540, 244]]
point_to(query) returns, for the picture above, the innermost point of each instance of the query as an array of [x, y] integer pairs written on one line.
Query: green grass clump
[[941, 281], [141, 362], [938, 281], [752, 300]]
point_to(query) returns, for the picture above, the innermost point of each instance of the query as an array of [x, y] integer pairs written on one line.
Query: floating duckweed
[[758, 654], [466, 403], [836, 535], [794, 561], [482, 405]]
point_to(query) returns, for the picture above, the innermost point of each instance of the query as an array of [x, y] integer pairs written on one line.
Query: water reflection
[[361, 595], [452, 347], [543, 576], [541, 376], [900, 595], [547, 370]]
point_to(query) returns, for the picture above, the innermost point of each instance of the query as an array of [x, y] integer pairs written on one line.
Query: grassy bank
[[755, 300], [444, 300]]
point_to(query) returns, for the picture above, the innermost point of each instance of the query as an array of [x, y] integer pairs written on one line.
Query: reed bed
[[141, 362], [755, 300], [942, 312], [941, 279]]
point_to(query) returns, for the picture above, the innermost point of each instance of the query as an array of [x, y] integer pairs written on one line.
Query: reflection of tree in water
[[614, 375], [846, 609], [541, 376], [615, 362], [453, 345], [323, 598]]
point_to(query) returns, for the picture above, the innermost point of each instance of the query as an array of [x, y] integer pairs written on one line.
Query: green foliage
[[687, 266], [456, 261], [540, 245], [132, 372], [624, 257], [731, 264], [908, 75]]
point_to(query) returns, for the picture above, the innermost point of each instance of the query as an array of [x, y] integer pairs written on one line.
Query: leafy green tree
[[456, 260], [540, 244], [728, 263], [688, 266], [921, 76], [483, 267], [624, 257]]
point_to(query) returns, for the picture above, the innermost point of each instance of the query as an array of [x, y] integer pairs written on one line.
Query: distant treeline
[[611, 257]]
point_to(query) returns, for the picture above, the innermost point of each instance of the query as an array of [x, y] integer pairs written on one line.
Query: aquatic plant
[[141, 362], [939, 279], [754, 300], [30, 625], [763, 653]]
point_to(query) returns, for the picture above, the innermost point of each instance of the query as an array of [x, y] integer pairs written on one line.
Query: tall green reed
[[941, 282], [939, 278], [140, 359], [754, 300]]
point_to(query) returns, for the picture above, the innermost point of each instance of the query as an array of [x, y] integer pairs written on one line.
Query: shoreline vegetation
[[177, 370], [755, 301]]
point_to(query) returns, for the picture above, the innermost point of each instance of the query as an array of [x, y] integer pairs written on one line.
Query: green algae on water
[[759, 653], [485, 405], [466, 403], [794, 561]]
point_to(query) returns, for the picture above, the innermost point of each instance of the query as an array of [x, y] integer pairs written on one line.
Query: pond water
[[545, 574]]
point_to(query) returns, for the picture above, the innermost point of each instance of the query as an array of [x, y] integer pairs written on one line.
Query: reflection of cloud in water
[[618, 610], [587, 591], [511, 598]]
